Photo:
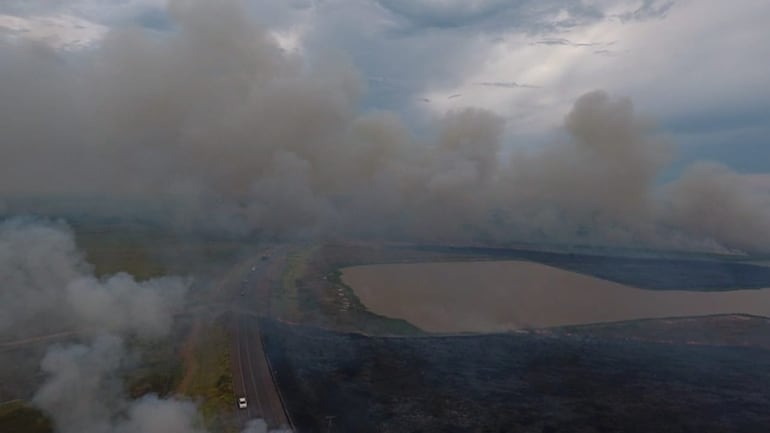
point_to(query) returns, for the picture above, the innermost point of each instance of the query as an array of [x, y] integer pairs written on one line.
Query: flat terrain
[[495, 296], [519, 382], [654, 271]]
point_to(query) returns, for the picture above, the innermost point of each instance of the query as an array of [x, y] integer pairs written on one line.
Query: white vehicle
[[241, 402]]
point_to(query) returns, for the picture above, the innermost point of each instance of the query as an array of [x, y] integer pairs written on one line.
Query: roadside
[[208, 378]]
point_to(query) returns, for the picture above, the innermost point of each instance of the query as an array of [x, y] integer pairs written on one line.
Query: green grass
[[160, 370], [120, 250], [212, 381], [147, 254], [365, 320], [287, 302], [17, 416]]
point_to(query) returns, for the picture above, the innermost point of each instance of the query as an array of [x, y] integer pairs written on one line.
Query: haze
[[211, 123]]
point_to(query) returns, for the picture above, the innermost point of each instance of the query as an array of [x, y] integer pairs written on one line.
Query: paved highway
[[250, 283]]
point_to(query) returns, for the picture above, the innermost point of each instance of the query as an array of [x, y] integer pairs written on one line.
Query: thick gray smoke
[[230, 133], [83, 394], [47, 285]]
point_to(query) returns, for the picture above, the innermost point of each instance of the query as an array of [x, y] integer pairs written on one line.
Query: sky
[[698, 68], [600, 121]]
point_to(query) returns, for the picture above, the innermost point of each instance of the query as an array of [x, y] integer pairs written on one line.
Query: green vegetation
[[160, 370], [146, 253], [286, 301], [131, 258], [121, 249], [211, 381], [17, 416], [364, 320], [312, 291]]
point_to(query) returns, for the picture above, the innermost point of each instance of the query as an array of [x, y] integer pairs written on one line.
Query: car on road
[[241, 402]]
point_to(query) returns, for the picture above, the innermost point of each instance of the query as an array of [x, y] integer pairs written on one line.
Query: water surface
[[506, 295]]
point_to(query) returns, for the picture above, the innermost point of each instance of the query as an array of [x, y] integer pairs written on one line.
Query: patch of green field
[[123, 250], [147, 253], [286, 300], [363, 319], [211, 383], [160, 370], [17, 416]]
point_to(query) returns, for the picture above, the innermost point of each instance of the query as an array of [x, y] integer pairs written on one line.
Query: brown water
[[494, 296]]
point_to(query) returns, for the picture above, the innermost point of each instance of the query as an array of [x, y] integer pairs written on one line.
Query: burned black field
[[556, 381]]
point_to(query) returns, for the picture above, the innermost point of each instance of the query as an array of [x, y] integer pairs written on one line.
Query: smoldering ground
[[230, 133]]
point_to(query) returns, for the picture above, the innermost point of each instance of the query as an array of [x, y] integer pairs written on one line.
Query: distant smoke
[[231, 133], [710, 200]]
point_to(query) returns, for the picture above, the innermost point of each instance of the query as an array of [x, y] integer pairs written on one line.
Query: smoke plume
[[229, 133], [48, 286], [83, 394]]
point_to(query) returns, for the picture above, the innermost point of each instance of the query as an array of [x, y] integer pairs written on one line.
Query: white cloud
[[59, 31], [684, 61], [699, 59]]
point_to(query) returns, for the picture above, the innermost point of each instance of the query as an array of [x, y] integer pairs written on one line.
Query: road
[[250, 283], [244, 293]]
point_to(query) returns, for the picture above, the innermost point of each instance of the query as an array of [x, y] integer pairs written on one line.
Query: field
[[207, 377], [16, 416], [311, 290], [518, 382], [652, 272], [145, 253], [501, 295]]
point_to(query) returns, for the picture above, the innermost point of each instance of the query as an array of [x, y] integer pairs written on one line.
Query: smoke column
[[228, 133]]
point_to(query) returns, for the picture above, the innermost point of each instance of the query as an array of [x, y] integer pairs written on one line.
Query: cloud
[[532, 16], [563, 42], [433, 13], [650, 9], [507, 85], [66, 32]]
